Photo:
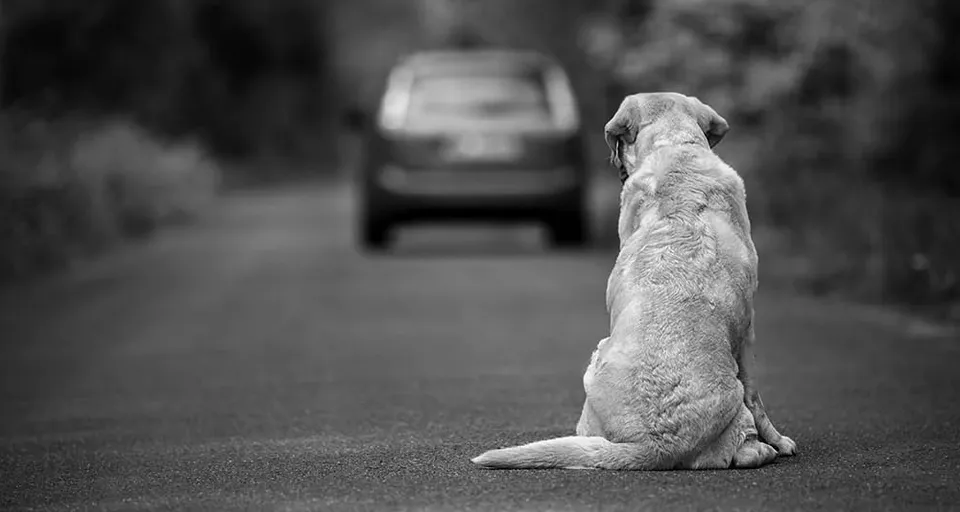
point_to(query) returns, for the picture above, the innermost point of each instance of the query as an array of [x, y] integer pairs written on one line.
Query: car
[[475, 134]]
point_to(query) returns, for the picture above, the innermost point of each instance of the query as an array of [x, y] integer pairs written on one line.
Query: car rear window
[[450, 101]]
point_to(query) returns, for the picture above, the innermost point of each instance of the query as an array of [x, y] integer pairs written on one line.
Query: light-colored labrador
[[673, 386]]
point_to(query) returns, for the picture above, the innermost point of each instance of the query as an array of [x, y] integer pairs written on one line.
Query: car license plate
[[483, 147]]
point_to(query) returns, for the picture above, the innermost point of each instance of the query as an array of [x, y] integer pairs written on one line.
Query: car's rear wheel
[[375, 236], [374, 228], [568, 228]]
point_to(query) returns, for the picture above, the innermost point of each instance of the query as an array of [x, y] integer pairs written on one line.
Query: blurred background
[[119, 117], [204, 304]]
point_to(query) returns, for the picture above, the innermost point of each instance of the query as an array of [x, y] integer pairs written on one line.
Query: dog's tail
[[574, 452]]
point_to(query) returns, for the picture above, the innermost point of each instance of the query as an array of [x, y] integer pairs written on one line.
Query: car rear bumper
[[463, 193], [476, 183]]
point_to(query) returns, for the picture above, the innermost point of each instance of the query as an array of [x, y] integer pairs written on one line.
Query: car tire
[[375, 236], [375, 233], [568, 229]]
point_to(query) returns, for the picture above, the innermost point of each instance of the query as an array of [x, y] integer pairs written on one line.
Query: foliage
[[70, 187], [245, 76], [848, 106]]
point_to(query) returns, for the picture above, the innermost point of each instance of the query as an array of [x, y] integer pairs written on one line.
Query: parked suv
[[480, 134]]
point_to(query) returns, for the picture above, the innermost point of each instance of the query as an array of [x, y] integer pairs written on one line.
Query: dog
[[674, 384]]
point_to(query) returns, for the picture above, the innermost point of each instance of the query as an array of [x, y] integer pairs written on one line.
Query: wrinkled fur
[[672, 386]]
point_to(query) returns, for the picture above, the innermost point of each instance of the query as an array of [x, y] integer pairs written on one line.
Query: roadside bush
[[71, 187], [144, 182]]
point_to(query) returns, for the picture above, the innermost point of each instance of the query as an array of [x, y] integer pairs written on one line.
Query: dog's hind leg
[[752, 452], [589, 425], [736, 447], [751, 398]]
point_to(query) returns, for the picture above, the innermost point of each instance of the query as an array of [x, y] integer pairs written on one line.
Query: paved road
[[257, 361]]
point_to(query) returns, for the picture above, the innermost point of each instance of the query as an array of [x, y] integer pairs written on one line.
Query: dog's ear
[[621, 130], [714, 126]]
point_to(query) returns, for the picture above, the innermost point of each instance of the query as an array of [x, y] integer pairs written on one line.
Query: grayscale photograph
[[479, 255]]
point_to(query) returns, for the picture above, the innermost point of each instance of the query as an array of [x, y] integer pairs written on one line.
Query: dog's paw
[[786, 446], [753, 454]]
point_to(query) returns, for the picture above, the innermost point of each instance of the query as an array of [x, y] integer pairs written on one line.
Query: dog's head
[[649, 119]]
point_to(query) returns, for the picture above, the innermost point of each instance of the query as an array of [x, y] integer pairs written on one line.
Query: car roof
[[447, 61]]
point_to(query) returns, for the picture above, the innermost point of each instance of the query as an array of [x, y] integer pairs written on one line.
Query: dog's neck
[[667, 140], [679, 138], [638, 162], [640, 189]]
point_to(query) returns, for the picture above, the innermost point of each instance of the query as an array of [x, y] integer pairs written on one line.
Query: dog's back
[[685, 233]]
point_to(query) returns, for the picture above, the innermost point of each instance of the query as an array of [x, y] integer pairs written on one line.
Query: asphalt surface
[[258, 361]]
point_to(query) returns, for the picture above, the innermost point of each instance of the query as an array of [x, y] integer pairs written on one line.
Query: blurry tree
[[3, 39], [843, 111], [246, 75]]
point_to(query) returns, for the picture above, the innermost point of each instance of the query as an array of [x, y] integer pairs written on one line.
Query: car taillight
[[565, 114], [396, 100]]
